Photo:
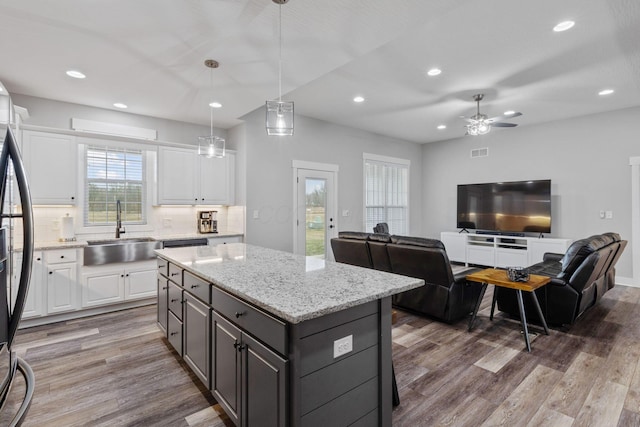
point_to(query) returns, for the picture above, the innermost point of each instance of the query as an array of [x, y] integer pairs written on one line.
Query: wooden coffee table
[[492, 276]]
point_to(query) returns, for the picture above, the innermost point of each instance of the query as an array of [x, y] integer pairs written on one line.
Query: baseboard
[[627, 281], [62, 317]]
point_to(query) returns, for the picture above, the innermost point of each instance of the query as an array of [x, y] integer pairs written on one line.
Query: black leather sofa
[[579, 279], [445, 296]]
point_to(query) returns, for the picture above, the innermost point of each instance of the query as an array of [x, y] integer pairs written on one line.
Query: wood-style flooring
[[117, 370]]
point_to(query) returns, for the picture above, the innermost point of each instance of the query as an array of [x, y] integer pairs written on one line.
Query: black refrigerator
[[16, 234]]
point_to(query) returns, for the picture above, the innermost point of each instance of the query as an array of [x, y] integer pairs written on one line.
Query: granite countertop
[[293, 287], [40, 246]]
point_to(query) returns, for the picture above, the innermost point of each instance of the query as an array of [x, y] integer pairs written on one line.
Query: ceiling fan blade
[[503, 117], [503, 125]]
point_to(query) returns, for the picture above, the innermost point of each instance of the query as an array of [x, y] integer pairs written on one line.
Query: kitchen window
[[386, 193], [114, 174]]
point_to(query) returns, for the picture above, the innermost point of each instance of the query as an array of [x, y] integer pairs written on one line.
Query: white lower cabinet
[[115, 283], [62, 287], [34, 304]]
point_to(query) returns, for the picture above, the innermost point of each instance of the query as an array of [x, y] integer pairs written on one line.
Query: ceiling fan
[[480, 124]]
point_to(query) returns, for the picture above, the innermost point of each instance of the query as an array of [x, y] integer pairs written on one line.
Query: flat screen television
[[506, 207]]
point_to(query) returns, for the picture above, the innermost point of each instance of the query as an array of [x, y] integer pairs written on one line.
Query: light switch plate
[[609, 215], [256, 214], [342, 346]]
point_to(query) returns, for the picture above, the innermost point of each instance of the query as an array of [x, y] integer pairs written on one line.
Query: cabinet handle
[[122, 275], [73, 198], [165, 288], [173, 299], [161, 266], [240, 313], [61, 256], [174, 274], [239, 346], [195, 286], [37, 259], [51, 272], [173, 333], [127, 275]]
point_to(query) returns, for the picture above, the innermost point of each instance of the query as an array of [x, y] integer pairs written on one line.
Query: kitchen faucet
[[119, 227]]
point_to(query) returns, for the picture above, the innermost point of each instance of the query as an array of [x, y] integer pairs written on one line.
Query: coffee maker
[[207, 222]]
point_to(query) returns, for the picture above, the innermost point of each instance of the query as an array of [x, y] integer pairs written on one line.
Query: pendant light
[[211, 145], [279, 119]]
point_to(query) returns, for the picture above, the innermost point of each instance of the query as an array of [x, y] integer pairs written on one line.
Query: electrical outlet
[[609, 215], [345, 212], [342, 346]]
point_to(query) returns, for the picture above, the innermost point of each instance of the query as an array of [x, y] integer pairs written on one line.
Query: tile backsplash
[[162, 220]]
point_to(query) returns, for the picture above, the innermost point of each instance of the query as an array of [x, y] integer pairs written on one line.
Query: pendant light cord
[[280, 53], [211, 107]]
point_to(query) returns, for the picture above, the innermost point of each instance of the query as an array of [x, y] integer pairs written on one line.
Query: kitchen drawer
[[163, 267], [174, 332], [57, 256], [197, 287], [175, 274], [261, 325], [175, 300]]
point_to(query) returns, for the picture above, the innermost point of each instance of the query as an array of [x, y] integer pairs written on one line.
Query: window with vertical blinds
[[386, 187], [114, 174]]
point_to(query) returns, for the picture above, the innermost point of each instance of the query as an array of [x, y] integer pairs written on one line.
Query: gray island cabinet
[[281, 339]]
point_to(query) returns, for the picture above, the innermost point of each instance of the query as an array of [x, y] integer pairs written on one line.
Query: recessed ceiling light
[[215, 105], [606, 92], [441, 127], [563, 26], [358, 99], [509, 113], [120, 105], [76, 74], [434, 72]]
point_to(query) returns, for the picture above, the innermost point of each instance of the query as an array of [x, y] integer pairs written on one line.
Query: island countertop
[[293, 287]]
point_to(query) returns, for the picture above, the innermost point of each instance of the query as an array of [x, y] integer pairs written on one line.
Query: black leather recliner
[[579, 279], [445, 296]]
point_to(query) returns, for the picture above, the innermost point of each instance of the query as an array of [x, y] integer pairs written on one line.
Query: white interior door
[[315, 213]]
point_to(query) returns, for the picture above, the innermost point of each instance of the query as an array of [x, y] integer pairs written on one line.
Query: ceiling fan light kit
[[480, 124], [279, 114]]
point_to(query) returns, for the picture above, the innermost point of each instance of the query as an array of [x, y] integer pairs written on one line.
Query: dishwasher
[[182, 243]]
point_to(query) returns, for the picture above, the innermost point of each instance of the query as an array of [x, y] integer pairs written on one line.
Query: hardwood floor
[[116, 369]]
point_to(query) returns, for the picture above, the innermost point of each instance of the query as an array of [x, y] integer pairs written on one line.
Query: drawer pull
[[162, 266], [174, 299], [195, 286], [173, 333], [61, 256], [174, 274], [240, 313], [165, 288], [239, 346]]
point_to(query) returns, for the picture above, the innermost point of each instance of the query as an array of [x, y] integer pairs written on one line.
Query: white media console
[[497, 250]]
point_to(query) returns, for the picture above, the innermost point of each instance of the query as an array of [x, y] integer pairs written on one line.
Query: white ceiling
[[149, 55]]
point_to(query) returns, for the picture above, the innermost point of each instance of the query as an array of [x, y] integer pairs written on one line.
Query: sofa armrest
[[461, 276], [550, 256]]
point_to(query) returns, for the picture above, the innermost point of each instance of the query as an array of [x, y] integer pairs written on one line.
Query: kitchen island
[[282, 339]]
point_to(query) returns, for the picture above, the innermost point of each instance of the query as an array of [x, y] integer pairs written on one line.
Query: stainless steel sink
[[111, 251]]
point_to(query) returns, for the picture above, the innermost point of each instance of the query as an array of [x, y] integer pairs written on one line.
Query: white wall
[[269, 182], [586, 158]]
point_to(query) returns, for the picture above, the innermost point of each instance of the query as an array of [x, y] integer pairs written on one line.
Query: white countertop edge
[[80, 243]]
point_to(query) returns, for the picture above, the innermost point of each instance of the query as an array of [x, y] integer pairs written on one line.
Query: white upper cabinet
[[185, 178], [51, 161], [176, 176]]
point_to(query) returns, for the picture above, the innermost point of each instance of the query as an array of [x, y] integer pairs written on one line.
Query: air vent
[[479, 152]]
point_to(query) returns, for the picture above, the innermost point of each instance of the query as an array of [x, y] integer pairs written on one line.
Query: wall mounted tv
[[506, 207]]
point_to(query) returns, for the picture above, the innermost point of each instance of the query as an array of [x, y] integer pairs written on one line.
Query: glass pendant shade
[[211, 146], [279, 119]]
